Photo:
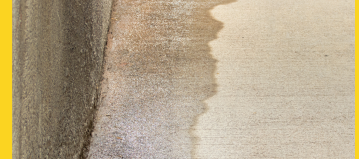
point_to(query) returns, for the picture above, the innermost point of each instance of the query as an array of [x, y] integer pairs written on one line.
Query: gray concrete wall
[[58, 50]]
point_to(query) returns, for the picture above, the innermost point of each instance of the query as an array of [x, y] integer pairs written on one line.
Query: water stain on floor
[[158, 72]]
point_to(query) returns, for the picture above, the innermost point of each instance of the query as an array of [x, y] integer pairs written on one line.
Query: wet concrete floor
[[158, 71], [249, 79]]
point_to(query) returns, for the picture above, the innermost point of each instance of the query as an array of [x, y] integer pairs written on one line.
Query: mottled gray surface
[[57, 57]]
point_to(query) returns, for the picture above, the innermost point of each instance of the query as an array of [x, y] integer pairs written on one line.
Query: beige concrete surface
[[285, 76], [248, 79]]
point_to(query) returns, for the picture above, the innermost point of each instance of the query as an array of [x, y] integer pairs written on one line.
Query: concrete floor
[[158, 72], [285, 76], [228, 79], [183, 79]]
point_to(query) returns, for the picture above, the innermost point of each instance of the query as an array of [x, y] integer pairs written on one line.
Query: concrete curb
[[57, 67]]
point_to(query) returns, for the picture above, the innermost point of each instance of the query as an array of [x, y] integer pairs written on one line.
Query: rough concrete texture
[[285, 76], [57, 59], [158, 71]]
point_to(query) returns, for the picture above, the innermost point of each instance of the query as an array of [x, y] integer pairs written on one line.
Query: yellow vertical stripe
[[356, 79], [6, 78]]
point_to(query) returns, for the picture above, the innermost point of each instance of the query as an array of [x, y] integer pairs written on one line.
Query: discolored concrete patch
[[157, 73]]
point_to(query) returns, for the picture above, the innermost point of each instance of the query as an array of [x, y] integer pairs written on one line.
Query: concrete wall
[[58, 50]]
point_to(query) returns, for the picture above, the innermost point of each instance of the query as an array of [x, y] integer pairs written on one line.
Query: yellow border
[[356, 79], [6, 79]]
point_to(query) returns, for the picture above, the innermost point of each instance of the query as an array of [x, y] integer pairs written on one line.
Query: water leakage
[[158, 72]]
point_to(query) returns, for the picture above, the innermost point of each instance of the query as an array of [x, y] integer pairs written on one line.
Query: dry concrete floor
[[228, 79]]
